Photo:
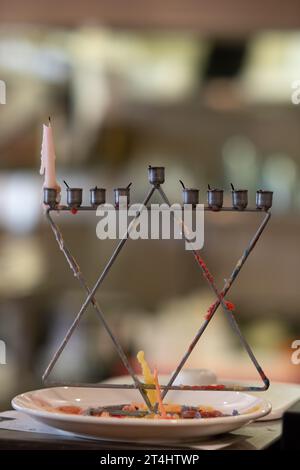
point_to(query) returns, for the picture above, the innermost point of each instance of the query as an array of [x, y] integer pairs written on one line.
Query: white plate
[[249, 407]]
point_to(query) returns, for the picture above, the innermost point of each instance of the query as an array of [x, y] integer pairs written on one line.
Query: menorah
[[156, 177]]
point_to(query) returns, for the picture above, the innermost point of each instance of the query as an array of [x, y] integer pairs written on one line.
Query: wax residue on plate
[[167, 412]]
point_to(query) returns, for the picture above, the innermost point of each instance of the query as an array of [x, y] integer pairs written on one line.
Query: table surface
[[256, 436]]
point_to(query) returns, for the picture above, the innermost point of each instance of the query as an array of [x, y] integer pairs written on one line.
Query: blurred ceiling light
[[273, 64], [165, 66], [166, 79], [280, 176], [21, 207], [151, 66], [22, 56]]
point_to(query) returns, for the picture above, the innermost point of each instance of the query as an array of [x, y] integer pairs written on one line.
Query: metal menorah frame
[[156, 176]]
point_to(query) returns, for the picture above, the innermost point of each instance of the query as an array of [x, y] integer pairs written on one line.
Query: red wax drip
[[211, 309], [205, 268], [230, 306], [74, 211]]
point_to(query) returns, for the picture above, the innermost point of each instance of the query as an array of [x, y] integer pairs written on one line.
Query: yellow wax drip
[[148, 376]]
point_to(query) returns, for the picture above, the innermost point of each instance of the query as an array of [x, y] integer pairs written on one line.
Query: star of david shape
[[220, 300]]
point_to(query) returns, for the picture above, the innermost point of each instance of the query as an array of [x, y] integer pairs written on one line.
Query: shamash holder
[[156, 175]]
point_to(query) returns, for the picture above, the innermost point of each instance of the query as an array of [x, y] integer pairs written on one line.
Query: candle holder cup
[[190, 196], [264, 199], [50, 197], [156, 175], [74, 197], [121, 193], [97, 196], [215, 199], [239, 199]]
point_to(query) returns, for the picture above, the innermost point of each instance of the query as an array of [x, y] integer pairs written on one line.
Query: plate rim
[[265, 409]]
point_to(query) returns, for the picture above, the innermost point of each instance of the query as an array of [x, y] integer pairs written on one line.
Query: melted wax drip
[[210, 279]]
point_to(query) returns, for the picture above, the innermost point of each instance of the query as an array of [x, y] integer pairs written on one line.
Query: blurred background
[[201, 88]]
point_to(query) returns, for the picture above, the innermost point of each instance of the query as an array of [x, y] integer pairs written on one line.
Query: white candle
[[48, 159]]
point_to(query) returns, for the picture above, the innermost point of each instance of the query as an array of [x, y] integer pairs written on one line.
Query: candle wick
[[129, 185], [209, 188], [182, 184], [232, 187], [66, 184], [49, 118]]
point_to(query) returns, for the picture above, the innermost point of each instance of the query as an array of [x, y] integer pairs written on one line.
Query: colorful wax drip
[[207, 274], [148, 376], [210, 279], [213, 306]]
